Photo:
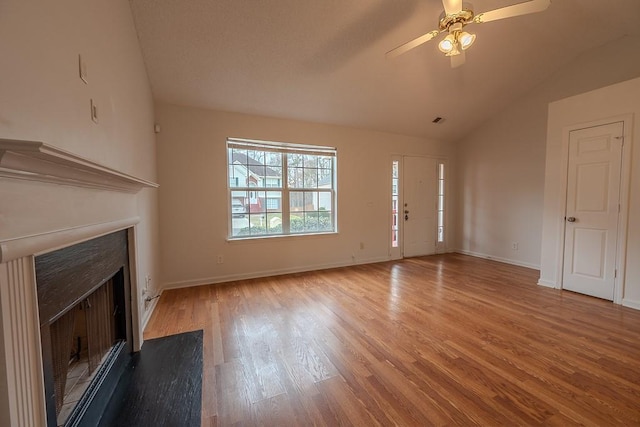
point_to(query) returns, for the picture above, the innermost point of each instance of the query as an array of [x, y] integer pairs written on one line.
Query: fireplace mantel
[[38, 161]]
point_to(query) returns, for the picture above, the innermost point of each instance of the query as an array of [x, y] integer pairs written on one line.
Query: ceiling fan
[[455, 17]]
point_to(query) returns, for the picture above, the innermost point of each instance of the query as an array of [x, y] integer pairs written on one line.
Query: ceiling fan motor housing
[[463, 18]]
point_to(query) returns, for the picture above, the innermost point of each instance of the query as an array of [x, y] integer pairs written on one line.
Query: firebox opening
[[82, 340], [84, 304]]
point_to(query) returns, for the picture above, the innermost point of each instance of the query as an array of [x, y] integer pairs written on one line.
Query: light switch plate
[[82, 69], [94, 112]]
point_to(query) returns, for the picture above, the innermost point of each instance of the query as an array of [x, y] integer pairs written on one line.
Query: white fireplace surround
[[21, 375]]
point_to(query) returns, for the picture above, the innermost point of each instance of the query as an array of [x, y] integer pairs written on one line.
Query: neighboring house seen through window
[[279, 189]]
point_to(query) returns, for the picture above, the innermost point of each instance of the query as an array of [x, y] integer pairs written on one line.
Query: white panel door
[[592, 211], [419, 211]]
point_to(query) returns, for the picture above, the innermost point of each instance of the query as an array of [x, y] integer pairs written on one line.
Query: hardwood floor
[[440, 340]]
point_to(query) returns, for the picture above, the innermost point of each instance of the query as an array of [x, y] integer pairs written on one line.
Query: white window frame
[[442, 196], [284, 189]]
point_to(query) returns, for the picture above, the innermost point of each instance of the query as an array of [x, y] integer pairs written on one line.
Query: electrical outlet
[[147, 284], [514, 246], [220, 259]]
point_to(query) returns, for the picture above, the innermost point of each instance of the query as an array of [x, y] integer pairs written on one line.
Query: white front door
[[418, 212], [592, 211]]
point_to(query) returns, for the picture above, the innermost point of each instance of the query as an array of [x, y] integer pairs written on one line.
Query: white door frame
[[398, 253], [625, 178]]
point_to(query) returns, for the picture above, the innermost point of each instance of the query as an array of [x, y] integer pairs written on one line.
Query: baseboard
[[268, 273], [547, 283], [631, 303], [499, 259], [149, 312]]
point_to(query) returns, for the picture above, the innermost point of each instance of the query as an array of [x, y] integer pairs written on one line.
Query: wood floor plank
[[439, 340]]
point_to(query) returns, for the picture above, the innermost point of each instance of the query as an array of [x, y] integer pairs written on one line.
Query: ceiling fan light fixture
[[448, 44], [466, 40]]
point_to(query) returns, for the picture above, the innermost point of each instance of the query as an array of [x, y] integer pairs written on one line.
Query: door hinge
[[615, 274]]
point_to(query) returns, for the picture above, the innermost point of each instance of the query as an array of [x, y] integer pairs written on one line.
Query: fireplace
[[85, 326], [55, 199]]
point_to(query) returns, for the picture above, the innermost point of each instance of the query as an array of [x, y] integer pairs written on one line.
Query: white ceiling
[[324, 60]]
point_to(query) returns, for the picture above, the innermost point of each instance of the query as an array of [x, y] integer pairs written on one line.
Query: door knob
[[571, 219], [406, 217]]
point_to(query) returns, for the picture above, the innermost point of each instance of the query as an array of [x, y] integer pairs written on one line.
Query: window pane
[[325, 162], [325, 178], [295, 160], [274, 176], [257, 224], [255, 157], [237, 156], [240, 225], [311, 221], [310, 161], [241, 196], [274, 201], [273, 159], [274, 223], [234, 178], [325, 201], [296, 177], [259, 175], [311, 178], [395, 180], [311, 201], [258, 201], [296, 223], [296, 201], [325, 221]]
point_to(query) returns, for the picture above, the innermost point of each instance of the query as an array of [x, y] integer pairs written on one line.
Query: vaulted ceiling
[[324, 60]]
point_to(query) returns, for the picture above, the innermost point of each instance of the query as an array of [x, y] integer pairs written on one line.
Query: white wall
[[616, 100], [193, 199], [501, 165], [43, 99]]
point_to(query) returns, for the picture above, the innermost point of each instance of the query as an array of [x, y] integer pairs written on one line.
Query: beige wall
[[612, 101], [193, 196], [43, 99], [501, 165]]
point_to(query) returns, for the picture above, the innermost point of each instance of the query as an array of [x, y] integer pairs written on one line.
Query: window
[[283, 188], [440, 202], [394, 203]]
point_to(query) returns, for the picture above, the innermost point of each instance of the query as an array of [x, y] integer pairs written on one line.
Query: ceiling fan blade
[[452, 6], [531, 6], [413, 43], [458, 60]]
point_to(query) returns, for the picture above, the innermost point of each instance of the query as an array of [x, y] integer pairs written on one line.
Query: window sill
[[280, 236]]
